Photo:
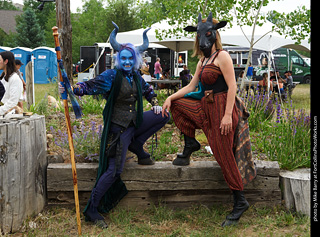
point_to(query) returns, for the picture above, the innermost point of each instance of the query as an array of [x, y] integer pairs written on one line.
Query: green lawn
[[161, 221], [301, 97]]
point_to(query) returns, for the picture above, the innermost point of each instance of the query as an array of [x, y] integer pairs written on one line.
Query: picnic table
[[171, 83]]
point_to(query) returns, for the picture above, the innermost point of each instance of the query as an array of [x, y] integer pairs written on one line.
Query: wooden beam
[[201, 182]]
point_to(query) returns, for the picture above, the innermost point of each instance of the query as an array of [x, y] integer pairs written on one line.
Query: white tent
[[266, 38], [176, 43]]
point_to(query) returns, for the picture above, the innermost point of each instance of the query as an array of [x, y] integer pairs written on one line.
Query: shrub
[[86, 140], [286, 138]]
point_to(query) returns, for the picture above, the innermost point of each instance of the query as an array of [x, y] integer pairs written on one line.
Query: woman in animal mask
[[216, 110], [126, 126]]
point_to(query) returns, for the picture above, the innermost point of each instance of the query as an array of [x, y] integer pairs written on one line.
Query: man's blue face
[[126, 60]]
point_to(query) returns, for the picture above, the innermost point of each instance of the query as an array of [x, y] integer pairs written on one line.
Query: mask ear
[[220, 25], [190, 28]]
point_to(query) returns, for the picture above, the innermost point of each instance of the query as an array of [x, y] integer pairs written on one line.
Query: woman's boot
[[144, 158], [190, 145], [239, 207], [92, 213]]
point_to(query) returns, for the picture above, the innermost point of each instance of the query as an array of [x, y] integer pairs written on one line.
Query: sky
[[280, 6]]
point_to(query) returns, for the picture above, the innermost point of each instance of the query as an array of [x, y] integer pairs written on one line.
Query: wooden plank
[[161, 176], [201, 182], [173, 199]]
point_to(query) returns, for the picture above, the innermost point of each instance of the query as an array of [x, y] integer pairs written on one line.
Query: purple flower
[[279, 113]]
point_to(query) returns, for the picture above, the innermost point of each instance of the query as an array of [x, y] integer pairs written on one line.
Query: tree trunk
[[295, 187], [63, 20], [251, 45]]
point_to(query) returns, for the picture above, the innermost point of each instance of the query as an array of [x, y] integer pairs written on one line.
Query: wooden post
[[29, 82], [23, 164], [63, 20]]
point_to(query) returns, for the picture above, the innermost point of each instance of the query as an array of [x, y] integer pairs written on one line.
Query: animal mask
[[206, 33]]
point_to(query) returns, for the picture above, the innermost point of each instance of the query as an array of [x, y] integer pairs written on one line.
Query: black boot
[[144, 158], [239, 207], [92, 213], [190, 145]]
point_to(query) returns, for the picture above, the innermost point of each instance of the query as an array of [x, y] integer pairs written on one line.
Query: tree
[[296, 24], [247, 12], [93, 24], [46, 18], [182, 13], [29, 32], [7, 5]]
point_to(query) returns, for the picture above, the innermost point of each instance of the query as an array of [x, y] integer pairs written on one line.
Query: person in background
[[185, 76], [264, 82], [250, 72], [20, 74], [145, 70], [157, 69], [289, 82], [240, 75], [2, 91], [11, 82]]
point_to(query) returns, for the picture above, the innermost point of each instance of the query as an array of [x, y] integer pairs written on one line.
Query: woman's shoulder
[[224, 53], [14, 76]]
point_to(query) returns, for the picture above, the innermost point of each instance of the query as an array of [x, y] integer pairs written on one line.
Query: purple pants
[[151, 124]]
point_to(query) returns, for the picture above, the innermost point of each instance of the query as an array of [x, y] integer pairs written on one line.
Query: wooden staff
[[70, 139]]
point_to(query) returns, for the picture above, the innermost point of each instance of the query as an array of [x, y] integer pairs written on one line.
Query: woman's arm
[[15, 90], [224, 61], [180, 93], [99, 85]]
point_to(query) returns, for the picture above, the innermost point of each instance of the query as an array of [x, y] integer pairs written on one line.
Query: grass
[[161, 221], [301, 97]]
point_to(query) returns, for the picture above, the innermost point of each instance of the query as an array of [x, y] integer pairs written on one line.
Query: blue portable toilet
[[45, 65], [24, 55], [2, 49]]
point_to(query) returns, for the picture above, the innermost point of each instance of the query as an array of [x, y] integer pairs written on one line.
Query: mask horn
[[145, 44], [114, 43], [199, 18], [209, 19]]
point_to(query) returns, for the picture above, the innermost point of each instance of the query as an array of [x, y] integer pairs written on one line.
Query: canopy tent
[[176, 43], [267, 39]]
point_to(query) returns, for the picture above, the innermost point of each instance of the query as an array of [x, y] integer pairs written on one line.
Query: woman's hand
[[226, 124], [166, 107]]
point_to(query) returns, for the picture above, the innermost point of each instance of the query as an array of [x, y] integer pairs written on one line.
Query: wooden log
[[200, 182], [23, 166], [295, 187]]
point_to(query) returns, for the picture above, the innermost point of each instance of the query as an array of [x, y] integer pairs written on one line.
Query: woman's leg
[[151, 124], [188, 116], [115, 167]]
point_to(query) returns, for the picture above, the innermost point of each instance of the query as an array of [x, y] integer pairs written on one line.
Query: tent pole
[[269, 65]]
